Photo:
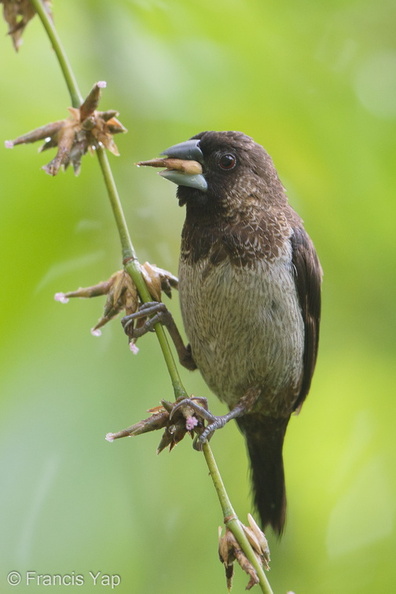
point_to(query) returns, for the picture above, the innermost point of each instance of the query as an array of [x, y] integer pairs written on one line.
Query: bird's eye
[[227, 161]]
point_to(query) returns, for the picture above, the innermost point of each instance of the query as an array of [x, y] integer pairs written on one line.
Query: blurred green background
[[315, 83]]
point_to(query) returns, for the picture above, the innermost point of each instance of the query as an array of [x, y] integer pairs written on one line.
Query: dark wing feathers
[[308, 277]]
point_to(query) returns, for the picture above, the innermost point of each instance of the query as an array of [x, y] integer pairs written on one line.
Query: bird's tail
[[264, 438]]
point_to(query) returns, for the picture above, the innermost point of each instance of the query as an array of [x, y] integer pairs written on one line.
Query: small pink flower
[[191, 422], [61, 297], [110, 437], [96, 332], [133, 348]]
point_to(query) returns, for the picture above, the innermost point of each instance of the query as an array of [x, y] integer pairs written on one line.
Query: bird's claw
[[158, 312], [150, 314], [202, 412], [216, 423]]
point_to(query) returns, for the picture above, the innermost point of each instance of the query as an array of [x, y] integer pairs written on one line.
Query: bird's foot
[[214, 422], [150, 314], [158, 313], [155, 312]]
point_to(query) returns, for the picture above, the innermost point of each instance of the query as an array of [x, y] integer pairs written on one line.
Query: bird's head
[[218, 170]]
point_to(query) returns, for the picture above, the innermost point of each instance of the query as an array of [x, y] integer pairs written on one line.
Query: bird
[[250, 297]]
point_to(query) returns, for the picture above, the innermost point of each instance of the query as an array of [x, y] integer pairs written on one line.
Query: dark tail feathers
[[264, 438]]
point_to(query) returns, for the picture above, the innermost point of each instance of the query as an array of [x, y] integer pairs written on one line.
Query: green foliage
[[316, 85]]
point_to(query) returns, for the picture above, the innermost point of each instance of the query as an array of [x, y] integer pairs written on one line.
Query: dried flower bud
[[230, 551], [17, 13], [158, 280], [157, 420], [84, 130], [258, 541], [121, 294], [181, 422], [175, 428]]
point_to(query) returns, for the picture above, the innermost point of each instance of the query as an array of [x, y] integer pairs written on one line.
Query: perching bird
[[249, 284]]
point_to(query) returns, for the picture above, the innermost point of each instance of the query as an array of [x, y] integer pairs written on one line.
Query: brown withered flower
[[122, 294], [17, 14], [85, 129], [230, 551], [176, 422]]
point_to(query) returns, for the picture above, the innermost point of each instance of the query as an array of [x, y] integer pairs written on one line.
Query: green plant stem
[[130, 260], [132, 266], [231, 519], [67, 71]]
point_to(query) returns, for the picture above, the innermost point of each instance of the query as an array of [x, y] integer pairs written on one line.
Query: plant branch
[[60, 53], [130, 260], [132, 266], [231, 519]]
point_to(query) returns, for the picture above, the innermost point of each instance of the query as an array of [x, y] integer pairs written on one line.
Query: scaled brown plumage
[[249, 283]]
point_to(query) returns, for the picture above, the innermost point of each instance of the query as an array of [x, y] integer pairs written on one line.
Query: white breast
[[245, 329]]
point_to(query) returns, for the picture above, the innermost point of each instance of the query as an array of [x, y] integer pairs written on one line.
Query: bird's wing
[[308, 277]]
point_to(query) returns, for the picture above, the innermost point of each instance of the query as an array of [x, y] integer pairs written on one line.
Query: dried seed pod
[[17, 14], [84, 130]]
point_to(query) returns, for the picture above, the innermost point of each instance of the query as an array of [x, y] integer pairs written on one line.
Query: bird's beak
[[183, 165]]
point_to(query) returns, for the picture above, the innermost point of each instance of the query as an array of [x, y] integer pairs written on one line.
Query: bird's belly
[[245, 329]]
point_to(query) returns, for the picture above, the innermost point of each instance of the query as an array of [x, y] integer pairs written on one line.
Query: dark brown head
[[238, 171], [229, 171], [236, 204]]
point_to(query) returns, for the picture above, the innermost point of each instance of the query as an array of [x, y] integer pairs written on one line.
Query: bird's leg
[[157, 312], [217, 422]]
